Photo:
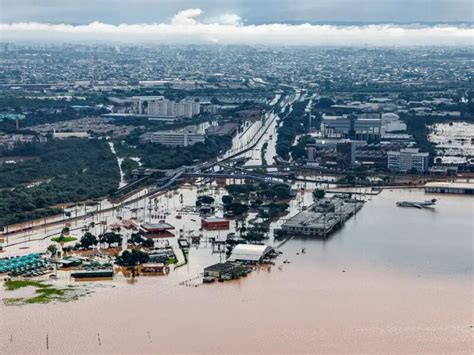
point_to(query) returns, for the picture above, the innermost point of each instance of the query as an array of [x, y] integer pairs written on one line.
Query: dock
[[323, 217]]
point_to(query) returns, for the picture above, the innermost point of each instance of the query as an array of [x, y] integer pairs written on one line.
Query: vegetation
[[131, 259], [110, 238], [65, 171], [206, 200], [137, 239], [163, 157], [318, 194], [88, 240], [262, 190], [44, 292], [294, 123], [63, 239], [263, 152], [52, 249]]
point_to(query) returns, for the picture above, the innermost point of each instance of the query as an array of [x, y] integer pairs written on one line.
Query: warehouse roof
[[249, 252]]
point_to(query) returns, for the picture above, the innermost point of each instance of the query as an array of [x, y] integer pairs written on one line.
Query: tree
[[88, 240], [52, 249], [110, 238], [148, 243], [207, 200], [318, 194], [130, 259], [227, 199]]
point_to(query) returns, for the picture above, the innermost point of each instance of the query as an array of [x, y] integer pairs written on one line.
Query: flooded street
[[400, 282]]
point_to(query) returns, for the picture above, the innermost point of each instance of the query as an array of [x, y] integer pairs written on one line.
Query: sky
[[301, 22]]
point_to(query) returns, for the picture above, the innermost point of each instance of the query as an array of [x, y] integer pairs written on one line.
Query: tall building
[[345, 154], [407, 159], [358, 127], [311, 152], [159, 106]]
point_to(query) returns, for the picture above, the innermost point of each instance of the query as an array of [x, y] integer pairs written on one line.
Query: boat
[[417, 204]]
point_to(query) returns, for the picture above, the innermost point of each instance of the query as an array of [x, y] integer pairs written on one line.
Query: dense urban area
[[117, 161]]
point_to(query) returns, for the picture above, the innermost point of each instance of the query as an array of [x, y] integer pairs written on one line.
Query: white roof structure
[[249, 252]]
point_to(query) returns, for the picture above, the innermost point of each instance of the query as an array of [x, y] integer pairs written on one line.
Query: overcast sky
[[288, 22], [252, 11]]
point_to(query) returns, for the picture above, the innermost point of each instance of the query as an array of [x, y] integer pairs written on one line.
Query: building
[[463, 188], [154, 269], [159, 106], [322, 218], [346, 153], [250, 253], [358, 127], [227, 129], [156, 230], [311, 152], [407, 159], [214, 223], [182, 138]]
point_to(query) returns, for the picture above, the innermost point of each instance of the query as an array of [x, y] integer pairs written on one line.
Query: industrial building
[[159, 106], [358, 127], [227, 129], [346, 154], [407, 159], [225, 271], [182, 138], [250, 253], [323, 217], [462, 188], [215, 223]]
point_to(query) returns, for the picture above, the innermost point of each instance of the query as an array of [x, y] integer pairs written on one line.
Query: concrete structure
[[322, 218], [367, 128], [214, 223], [463, 188], [346, 153], [250, 253], [227, 129], [407, 159], [182, 138], [311, 152], [156, 230], [159, 106]]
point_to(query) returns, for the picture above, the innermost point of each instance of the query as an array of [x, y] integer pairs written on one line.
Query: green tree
[[52, 249], [318, 194], [88, 240]]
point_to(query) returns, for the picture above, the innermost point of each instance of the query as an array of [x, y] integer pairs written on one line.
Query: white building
[[182, 138], [159, 106], [361, 127], [407, 159], [249, 253]]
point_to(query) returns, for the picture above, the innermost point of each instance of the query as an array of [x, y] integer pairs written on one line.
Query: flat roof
[[149, 226], [451, 185], [215, 219]]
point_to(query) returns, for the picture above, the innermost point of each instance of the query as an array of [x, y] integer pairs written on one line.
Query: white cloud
[[186, 17], [229, 28]]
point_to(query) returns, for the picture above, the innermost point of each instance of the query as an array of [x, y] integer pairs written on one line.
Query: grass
[[12, 285], [63, 239], [45, 293], [172, 260]]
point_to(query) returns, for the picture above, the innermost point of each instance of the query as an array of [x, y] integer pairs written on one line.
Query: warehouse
[[250, 253]]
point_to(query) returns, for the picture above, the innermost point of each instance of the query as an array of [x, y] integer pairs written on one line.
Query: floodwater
[[391, 280]]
